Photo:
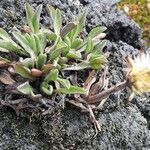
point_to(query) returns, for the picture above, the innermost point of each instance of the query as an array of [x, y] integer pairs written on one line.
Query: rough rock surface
[[123, 126]]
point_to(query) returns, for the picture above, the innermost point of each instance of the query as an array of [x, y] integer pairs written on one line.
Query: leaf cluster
[[44, 53]]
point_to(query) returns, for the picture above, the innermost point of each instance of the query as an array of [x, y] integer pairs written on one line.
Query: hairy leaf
[[48, 90], [68, 27], [57, 22], [27, 62], [74, 33], [96, 31], [77, 42], [97, 61], [4, 35], [99, 47], [24, 43], [36, 19], [51, 12], [64, 82], [23, 71], [33, 17], [8, 46], [31, 42], [80, 66], [52, 76], [74, 55], [25, 88], [89, 46], [41, 59], [29, 14], [72, 90], [58, 50]]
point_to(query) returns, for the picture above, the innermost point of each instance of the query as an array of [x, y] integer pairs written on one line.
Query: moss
[[139, 11]]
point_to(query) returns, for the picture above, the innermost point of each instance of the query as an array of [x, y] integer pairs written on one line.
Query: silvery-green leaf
[[96, 31], [24, 43], [7, 46], [58, 50], [76, 43], [27, 62], [65, 51], [67, 41], [31, 42], [80, 66], [89, 46], [64, 82], [43, 41], [51, 11], [29, 15], [36, 19], [48, 90], [52, 76], [56, 53], [68, 27], [38, 44], [41, 59], [78, 29], [72, 90], [4, 35], [52, 37], [25, 88], [63, 60], [53, 47], [99, 47], [73, 55], [57, 22], [97, 61], [47, 33], [23, 71], [82, 19]]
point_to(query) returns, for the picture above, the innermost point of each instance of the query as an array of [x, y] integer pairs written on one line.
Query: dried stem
[[99, 97]]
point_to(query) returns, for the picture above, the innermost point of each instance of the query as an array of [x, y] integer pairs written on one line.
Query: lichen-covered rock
[[123, 126]]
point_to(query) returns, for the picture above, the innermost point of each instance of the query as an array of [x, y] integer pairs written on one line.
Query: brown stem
[[99, 97]]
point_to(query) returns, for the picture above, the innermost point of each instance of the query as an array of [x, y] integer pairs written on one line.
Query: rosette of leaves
[[86, 52], [44, 53]]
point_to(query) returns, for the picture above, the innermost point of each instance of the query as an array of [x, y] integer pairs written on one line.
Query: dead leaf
[[47, 67], [3, 63], [89, 81], [5, 78], [78, 105], [96, 123], [98, 86]]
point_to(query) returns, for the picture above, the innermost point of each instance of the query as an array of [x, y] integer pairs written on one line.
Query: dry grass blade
[[89, 81], [15, 102], [96, 123], [16, 105], [78, 105], [104, 94]]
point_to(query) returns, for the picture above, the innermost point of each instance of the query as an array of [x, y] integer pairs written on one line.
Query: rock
[[123, 127]]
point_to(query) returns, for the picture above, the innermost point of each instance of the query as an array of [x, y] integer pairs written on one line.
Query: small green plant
[[43, 56], [44, 53]]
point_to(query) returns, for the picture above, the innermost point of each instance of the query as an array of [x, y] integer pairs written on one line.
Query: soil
[[124, 126]]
